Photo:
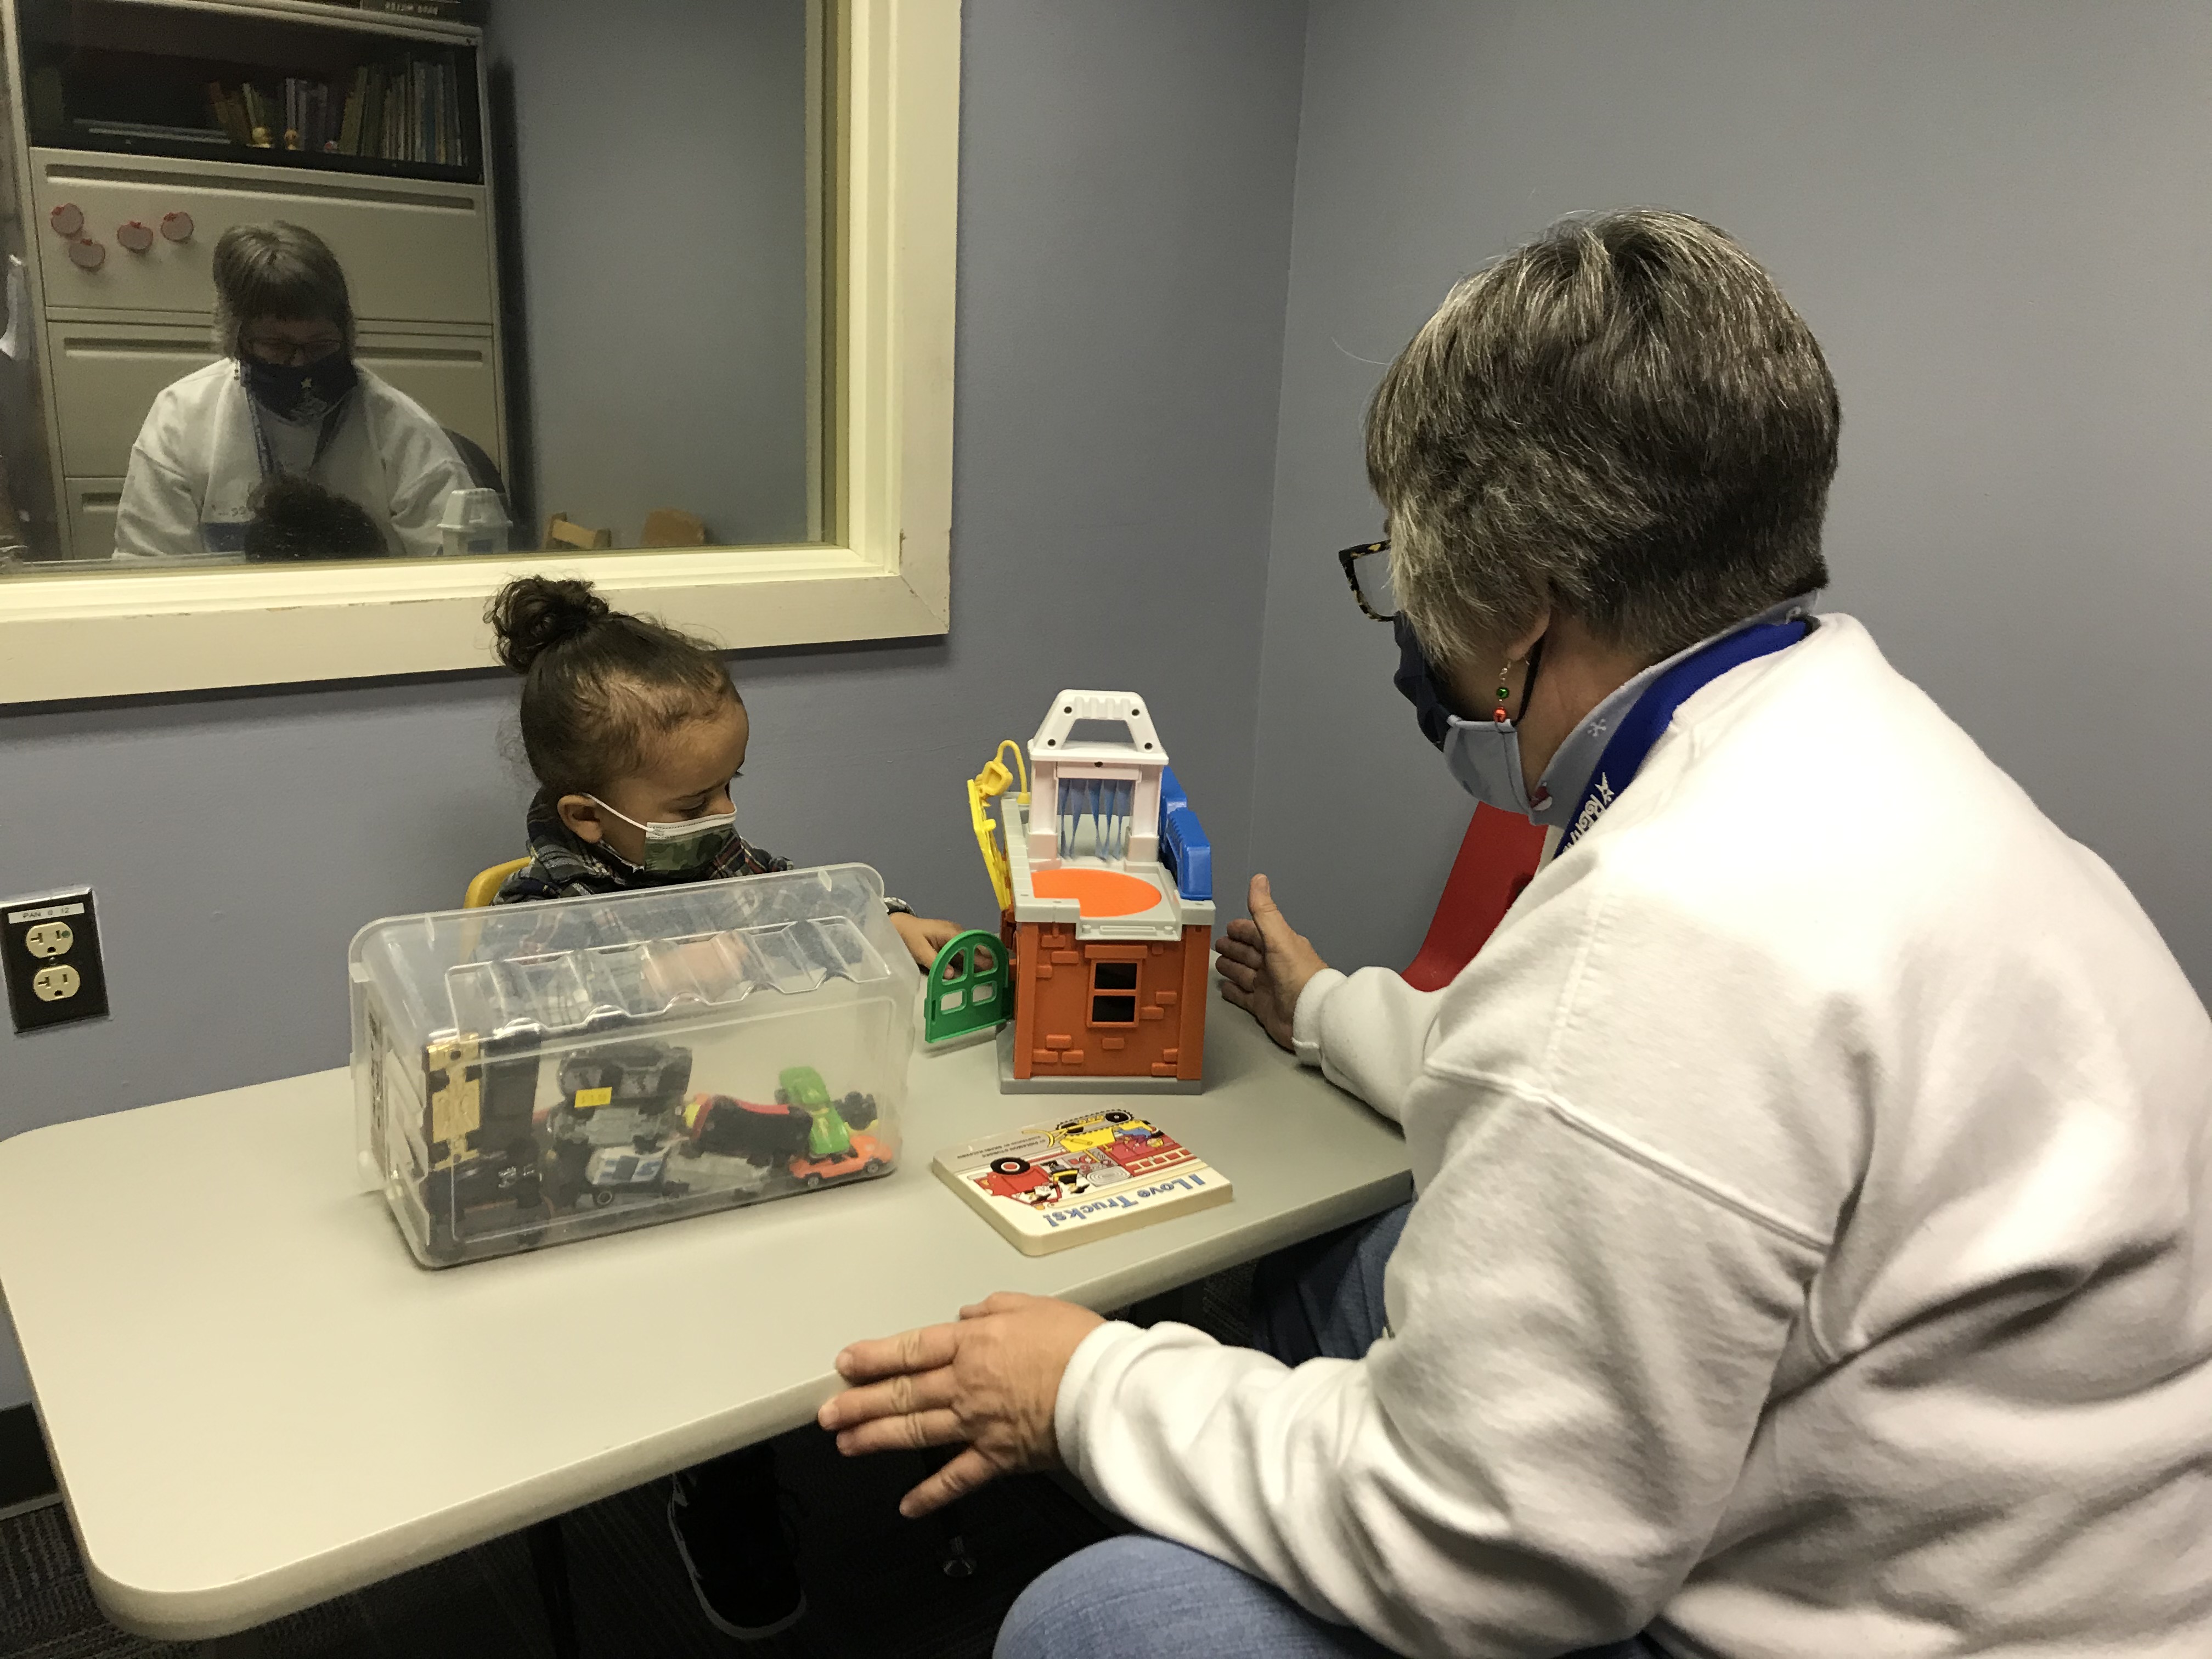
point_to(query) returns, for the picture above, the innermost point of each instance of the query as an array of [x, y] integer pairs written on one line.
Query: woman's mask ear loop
[[1527, 682]]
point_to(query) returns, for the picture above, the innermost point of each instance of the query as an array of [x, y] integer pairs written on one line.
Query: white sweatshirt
[[194, 463], [1813, 1252]]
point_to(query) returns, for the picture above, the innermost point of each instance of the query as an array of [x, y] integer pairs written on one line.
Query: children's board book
[[1055, 1185]]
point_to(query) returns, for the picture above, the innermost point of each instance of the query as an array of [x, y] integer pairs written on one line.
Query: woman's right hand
[[1265, 964]]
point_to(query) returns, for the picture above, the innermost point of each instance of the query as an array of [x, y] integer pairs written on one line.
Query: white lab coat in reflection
[[195, 465]]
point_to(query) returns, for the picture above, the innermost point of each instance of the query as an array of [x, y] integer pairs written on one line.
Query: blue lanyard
[[1655, 711]]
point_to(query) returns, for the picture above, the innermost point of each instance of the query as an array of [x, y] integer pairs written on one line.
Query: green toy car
[[832, 1149]]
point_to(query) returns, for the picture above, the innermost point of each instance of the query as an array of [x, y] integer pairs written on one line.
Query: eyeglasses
[[1367, 568], [290, 353]]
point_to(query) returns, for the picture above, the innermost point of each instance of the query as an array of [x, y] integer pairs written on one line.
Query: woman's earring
[[1504, 691]]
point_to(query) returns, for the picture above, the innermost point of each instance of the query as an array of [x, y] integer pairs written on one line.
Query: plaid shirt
[[561, 866]]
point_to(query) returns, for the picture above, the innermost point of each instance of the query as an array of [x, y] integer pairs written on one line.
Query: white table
[[256, 1400]]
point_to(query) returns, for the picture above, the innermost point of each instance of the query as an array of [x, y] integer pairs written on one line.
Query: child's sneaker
[[727, 1520]]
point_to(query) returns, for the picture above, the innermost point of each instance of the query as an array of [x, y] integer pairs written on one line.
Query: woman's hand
[[989, 1382], [925, 936], [1265, 964]]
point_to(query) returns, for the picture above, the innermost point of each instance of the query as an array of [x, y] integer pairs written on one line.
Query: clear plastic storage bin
[[532, 1073]]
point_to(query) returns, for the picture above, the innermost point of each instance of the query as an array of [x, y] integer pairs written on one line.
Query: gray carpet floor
[[878, 1586]]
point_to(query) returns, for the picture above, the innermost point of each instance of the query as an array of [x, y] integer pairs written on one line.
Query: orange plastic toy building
[[1111, 918]]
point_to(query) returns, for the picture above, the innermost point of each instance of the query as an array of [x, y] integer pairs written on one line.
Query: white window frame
[[883, 571]]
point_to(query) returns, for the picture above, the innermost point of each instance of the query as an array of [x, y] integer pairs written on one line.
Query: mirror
[[309, 279]]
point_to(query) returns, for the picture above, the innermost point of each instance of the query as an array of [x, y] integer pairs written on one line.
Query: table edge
[[224, 1609]]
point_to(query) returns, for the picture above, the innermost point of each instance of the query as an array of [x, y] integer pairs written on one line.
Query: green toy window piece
[[971, 987]]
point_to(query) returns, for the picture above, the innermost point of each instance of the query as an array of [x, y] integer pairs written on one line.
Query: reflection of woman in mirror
[[286, 397]]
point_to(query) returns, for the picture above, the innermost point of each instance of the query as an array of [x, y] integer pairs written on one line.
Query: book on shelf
[[404, 110], [263, 127], [449, 86], [372, 113], [1053, 1186], [349, 135], [449, 141], [229, 110], [314, 108]]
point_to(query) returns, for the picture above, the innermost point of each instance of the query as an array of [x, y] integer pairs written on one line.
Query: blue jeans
[[1139, 1598]]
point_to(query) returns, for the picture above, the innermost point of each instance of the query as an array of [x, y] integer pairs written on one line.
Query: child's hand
[[925, 936]]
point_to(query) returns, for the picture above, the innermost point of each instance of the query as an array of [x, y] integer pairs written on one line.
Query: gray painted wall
[[1994, 216], [660, 202], [1125, 180]]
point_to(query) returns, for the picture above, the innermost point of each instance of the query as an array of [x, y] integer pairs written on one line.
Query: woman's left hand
[[925, 936], [989, 1382], [1265, 965]]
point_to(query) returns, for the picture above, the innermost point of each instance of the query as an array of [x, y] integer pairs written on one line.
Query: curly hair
[[596, 682]]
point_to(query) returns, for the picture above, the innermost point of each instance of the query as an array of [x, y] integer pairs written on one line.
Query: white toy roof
[[1095, 800], [1055, 738]]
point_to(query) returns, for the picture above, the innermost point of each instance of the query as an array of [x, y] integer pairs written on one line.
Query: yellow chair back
[[487, 884]]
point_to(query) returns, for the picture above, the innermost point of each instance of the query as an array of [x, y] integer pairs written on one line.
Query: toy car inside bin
[[529, 1074]]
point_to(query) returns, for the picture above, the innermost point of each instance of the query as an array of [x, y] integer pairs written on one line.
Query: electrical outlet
[[57, 984], [50, 949]]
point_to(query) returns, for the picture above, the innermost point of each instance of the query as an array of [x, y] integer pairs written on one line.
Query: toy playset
[[529, 1074], [1055, 1185], [1098, 980]]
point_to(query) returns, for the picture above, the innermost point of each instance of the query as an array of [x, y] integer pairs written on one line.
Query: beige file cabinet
[[91, 505], [108, 373], [413, 250]]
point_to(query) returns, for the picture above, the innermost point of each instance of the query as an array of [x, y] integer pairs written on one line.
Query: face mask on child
[[680, 847]]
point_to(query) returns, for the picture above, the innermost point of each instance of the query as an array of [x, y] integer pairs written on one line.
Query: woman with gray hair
[[285, 397], [1812, 1245]]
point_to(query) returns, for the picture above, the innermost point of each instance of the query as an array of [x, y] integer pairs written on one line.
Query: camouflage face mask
[[685, 845]]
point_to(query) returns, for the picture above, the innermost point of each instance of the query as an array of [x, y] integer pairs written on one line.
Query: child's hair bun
[[532, 614]]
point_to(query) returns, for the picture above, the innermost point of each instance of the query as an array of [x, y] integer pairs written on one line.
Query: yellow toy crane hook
[[988, 785]]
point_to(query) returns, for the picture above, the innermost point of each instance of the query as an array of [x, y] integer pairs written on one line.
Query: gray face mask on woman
[[1484, 756]]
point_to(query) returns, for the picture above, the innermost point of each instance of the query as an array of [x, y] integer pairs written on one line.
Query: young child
[[636, 736], [296, 518]]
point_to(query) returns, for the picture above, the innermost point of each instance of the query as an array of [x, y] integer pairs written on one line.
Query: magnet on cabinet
[[86, 255], [67, 219], [177, 227], [134, 235]]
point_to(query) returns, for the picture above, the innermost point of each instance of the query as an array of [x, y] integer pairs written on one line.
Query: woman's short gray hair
[[276, 271], [1623, 418]]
